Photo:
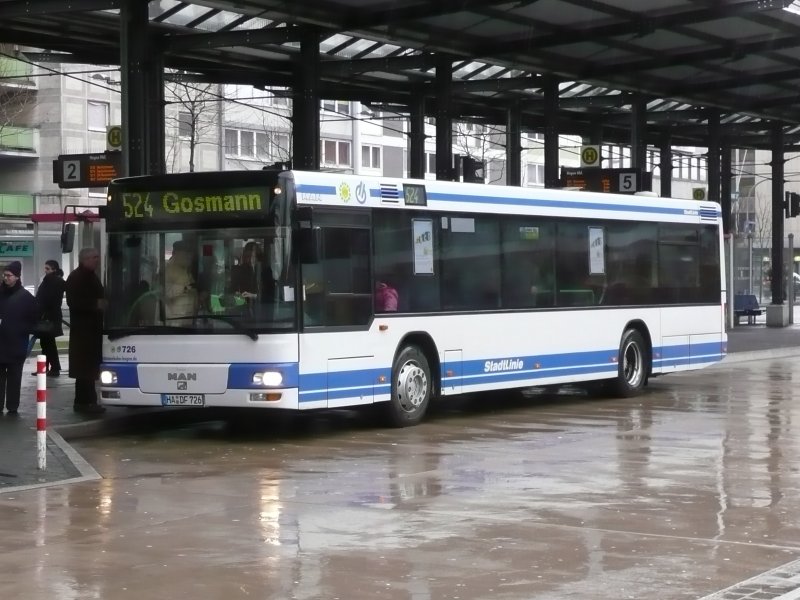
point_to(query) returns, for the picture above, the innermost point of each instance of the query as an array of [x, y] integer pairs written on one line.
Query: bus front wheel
[[633, 365], [411, 388]]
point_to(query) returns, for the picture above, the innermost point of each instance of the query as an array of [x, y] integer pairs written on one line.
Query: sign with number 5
[[627, 182]]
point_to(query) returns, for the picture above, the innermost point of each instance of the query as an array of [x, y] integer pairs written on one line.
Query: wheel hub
[[412, 386]]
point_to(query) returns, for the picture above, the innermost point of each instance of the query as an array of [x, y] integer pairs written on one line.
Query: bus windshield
[[200, 280]]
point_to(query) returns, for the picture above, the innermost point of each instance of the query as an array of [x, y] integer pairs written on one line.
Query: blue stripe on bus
[[336, 385], [127, 374], [306, 188], [570, 204], [349, 384], [240, 375]]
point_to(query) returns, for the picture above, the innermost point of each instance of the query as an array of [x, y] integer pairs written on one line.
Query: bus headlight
[[108, 377], [268, 378]]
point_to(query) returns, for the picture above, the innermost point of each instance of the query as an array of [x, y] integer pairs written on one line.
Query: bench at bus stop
[[746, 305]]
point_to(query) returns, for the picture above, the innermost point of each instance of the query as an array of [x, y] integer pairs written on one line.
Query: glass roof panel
[[357, 47], [385, 50], [332, 42], [254, 23], [218, 21], [186, 15]]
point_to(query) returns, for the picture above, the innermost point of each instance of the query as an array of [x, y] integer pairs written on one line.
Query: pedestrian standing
[[17, 319], [85, 298], [49, 297]]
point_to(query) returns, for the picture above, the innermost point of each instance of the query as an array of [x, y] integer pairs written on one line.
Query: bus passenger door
[[335, 356]]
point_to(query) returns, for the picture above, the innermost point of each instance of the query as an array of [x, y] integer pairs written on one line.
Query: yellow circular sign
[[114, 137], [589, 156], [699, 194]]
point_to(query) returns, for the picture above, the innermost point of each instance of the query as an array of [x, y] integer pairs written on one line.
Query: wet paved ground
[[690, 491]]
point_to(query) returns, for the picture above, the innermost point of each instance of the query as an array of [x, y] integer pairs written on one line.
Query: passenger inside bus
[[180, 291], [251, 279], [386, 297]]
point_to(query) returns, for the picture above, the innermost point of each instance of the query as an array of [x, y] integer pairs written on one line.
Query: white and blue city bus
[[367, 290]]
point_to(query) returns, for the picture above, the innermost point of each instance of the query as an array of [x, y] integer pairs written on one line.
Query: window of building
[[280, 145], [247, 146], [430, 162], [280, 100], [241, 143], [97, 115], [337, 106], [371, 157], [534, 174], [262, 144], [185, 124], [231, 142], [335, 153]]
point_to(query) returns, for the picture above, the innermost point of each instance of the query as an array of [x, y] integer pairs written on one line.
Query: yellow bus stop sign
[[590, 156], [114, 137]]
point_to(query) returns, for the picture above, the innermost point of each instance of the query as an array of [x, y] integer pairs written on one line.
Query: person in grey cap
[[17, 319]]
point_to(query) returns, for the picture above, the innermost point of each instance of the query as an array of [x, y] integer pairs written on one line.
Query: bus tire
[[633, 365], [411, 388]]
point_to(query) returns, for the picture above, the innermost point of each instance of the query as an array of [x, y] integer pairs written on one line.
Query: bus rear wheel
[[411, 388], [633, 365]]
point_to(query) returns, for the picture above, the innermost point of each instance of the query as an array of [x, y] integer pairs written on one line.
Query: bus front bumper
[[232, 398]]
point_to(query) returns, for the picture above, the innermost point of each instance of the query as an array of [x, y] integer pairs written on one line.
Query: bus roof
[[332, 189]]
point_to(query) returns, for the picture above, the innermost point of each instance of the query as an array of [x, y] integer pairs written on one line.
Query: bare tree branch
[[17, 97], [192, 118]]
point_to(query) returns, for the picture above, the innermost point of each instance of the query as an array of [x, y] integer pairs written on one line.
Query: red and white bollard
[[41, 410]]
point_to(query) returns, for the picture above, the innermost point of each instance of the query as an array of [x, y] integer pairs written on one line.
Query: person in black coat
[[17, 318], [85, 298], [49, 297], [251, 279]]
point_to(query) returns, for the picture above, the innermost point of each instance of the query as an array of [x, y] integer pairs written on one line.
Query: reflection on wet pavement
[[682, 492]]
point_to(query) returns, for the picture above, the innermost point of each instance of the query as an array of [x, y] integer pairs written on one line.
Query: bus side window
[[574, 285], [527, 251], [393, 239], [341, 295]]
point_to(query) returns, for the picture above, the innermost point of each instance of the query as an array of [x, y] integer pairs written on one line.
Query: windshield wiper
[[117, 334], [233, 323], [121, 333]]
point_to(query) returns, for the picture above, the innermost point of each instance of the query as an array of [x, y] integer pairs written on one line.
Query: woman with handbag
[[49, 297]]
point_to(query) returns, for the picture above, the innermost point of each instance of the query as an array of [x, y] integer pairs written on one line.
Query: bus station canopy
[[683, 58]]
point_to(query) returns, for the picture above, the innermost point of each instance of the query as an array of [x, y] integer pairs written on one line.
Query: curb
[[740, 357], [135, 417]]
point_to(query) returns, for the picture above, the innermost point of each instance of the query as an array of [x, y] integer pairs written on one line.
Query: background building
[[51, 109]]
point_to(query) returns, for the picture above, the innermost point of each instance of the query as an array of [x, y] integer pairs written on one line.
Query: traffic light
[[473, 170]]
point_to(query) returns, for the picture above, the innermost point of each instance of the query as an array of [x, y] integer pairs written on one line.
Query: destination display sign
[[615, 181], [86, 170], [187, 204]]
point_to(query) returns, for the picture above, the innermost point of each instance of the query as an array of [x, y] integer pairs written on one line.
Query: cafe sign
[[16, 248]]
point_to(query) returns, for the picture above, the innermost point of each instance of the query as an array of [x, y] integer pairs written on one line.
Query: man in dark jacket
[[86, 305], [17, 318]]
